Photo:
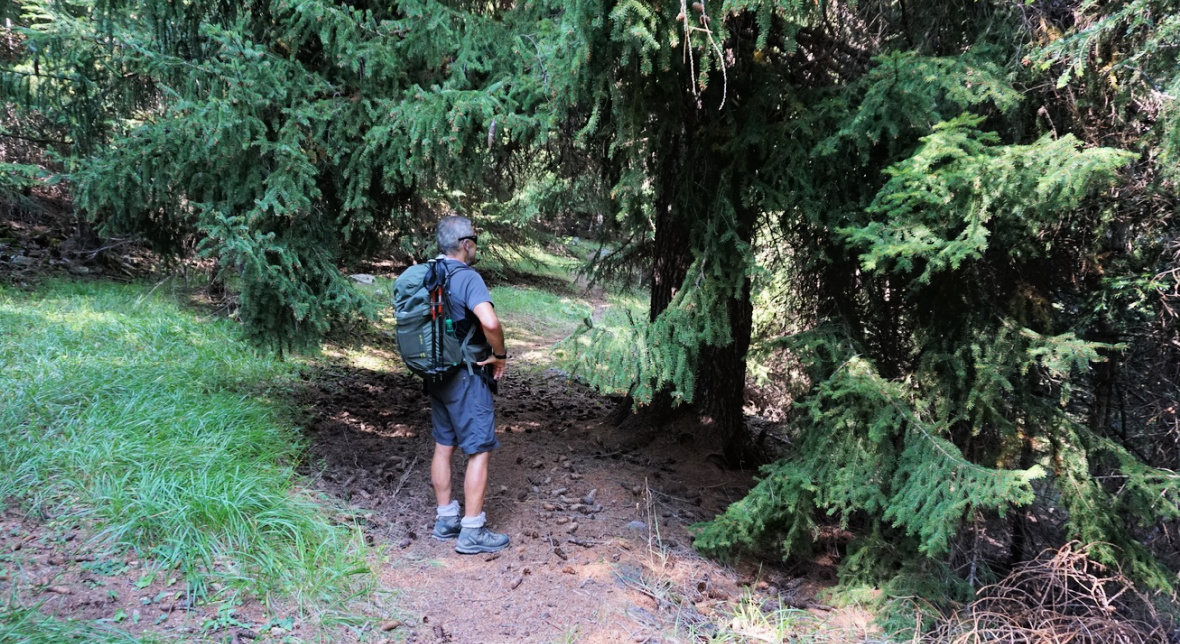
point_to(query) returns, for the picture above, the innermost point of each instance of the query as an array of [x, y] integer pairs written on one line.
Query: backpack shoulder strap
[[463, 350], [449, 272], [436, 277], [468, 362], [461, 267]]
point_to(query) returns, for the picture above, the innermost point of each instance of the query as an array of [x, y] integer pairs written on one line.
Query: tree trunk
[[721, 385], [671, 258], [721, 372], [672, 248]]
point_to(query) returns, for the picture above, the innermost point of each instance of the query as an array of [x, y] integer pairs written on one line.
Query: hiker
[[461, 404]]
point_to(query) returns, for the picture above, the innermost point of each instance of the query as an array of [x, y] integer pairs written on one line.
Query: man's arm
[[495, 335]]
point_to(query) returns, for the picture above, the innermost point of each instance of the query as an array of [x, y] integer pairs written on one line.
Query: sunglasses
[[474, 239]]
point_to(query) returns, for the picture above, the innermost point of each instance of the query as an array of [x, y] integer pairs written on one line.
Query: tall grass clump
[[169, 432]]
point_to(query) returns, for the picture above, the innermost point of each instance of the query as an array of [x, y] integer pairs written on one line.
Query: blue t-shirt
[[465, 291]]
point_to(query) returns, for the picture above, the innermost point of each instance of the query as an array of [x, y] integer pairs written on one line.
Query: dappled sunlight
[[575, 510], [368, 358], [86, 320], [543, 315], [523, 342], [535, 354], [519, 427], [359, 424], [399, 430]]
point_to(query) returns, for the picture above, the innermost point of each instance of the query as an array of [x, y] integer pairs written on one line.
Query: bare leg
[[475, 483], [440, 473]]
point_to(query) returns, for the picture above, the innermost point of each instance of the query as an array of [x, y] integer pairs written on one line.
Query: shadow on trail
[[596, 521], [370, 439]]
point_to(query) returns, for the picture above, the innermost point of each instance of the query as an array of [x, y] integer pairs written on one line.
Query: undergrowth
[[167, 431]]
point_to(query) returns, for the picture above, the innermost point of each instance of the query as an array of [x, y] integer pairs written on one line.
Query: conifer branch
[[72, 79], [540, 61], [36, 140]]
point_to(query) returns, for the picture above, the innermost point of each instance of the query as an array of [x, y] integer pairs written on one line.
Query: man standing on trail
[[461, 405]]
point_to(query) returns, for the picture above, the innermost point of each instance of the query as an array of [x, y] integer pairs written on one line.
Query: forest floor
[[600, 549], [599, 521]]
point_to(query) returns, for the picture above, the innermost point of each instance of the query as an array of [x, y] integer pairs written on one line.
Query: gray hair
[[450, 229]]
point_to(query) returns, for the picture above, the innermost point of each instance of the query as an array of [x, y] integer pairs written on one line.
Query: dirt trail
[[591, 523], [599, 546], [600, 551]]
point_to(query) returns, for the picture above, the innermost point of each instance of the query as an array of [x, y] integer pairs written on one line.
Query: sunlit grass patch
[[626, 307], [365, 355], [538, 313], [682, 614], [535, 261], [756, 620], [622, 320], [168, 431]]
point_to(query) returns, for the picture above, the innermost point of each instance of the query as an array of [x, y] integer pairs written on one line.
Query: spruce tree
[[938, 234], [286, 136], [942, 240], [688, 132]]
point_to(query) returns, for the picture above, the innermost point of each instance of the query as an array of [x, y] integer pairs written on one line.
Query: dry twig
[[1061, 596]]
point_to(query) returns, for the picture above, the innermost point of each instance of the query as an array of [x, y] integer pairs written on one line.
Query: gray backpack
[[425, 331]]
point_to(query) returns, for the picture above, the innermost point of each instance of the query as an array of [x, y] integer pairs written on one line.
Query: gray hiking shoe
[[473, 541], [446, 528]]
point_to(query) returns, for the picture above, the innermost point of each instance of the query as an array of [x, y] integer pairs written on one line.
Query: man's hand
[[499, 366]]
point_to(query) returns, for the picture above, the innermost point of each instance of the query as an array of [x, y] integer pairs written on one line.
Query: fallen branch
[[1062, 596], [405, 476]]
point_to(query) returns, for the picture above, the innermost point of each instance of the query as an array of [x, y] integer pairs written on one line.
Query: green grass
[[752, 621], [539, 313], [22, 625], [535, 261], [169, 432]]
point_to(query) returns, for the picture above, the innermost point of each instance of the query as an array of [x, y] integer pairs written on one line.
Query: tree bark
[[673, 236], [721, 385], [719, 397], [672, 256]]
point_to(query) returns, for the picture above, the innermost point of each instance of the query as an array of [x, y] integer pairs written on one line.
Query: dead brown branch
[[1061, 596]]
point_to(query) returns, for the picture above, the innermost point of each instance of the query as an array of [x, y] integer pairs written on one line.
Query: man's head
[[456, 238]]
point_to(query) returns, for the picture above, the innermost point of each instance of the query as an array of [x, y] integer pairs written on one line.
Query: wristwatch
[[500, 356]]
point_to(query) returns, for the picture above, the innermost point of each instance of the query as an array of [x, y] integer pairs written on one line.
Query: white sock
[[475, 522], [449, 510]]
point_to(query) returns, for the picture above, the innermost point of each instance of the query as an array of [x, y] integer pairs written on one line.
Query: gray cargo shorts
[[461, 411]]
